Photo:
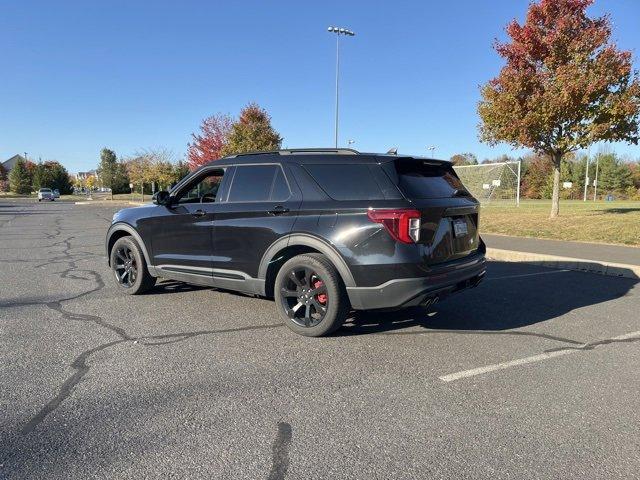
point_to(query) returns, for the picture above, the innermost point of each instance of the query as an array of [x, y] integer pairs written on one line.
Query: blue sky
[[80, 75]]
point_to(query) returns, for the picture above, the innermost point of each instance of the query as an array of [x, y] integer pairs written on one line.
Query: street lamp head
[[342, 30], [330, 29]]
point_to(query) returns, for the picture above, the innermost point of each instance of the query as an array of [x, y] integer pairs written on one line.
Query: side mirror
[[162, 198]]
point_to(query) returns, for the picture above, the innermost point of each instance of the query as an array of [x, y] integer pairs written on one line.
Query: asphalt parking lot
[[534, 374]]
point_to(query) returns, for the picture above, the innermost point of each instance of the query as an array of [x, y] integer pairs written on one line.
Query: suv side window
[[258, 183], [204, 190], [349, 181]]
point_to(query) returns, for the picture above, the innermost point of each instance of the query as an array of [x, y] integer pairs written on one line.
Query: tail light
[[403, 225]]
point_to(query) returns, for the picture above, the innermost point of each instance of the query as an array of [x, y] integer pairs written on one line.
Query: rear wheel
[[129, 267], [310, 296]]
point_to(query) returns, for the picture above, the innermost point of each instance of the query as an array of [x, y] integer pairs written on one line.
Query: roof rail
[[299, 151], [339, 151]]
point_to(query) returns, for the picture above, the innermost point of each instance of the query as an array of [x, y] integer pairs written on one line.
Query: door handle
[[199, 213], [279, 210]]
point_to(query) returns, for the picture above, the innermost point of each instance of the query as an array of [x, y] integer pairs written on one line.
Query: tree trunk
[[555, 196]]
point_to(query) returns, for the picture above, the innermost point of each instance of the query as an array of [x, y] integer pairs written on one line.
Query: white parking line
[[534, 358], [526, 275]]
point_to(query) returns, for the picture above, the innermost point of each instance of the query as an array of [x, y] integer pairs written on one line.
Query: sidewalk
[[613, 260]]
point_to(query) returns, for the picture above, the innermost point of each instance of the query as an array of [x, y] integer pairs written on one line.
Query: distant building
[[9, 164], [85, 175]]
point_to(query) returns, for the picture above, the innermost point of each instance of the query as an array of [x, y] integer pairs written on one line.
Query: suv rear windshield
[[418, 178]]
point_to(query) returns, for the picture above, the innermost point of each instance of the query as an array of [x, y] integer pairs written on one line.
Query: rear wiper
[[460, 193]]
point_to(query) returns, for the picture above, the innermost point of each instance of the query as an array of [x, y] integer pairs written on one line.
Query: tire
[[315, 302], [129, 267]]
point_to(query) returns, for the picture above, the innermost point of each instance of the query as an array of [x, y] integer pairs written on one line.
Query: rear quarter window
[[353, 181], [422, 179]]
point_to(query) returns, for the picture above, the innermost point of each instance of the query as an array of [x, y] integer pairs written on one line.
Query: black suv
[[322, 231]]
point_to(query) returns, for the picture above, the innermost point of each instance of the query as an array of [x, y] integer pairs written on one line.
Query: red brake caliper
[[321, 297]]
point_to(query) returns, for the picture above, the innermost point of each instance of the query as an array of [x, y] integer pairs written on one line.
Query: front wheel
[[310, 296], [129, 267]]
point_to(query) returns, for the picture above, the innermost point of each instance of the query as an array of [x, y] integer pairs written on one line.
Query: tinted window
[[204, 190], [423, 179], [280, 189], [252, 183], [347, 181]]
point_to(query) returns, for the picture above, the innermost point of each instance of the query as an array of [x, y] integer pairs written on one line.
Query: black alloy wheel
[[129, 267], [310, 295], [125, 266], [305, 296]]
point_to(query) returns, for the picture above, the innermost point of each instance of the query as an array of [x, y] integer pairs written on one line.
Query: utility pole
[[338, 31], [586, 180], [595, 182], [518, 186]]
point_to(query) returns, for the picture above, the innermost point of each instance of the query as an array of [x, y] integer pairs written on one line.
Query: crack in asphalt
[[180, 337], [593, 345], [81, 369], [280, 452], [489, 332], [80, 365]]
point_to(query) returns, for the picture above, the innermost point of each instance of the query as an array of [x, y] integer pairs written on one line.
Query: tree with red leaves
[[565, 85], [208, 145]]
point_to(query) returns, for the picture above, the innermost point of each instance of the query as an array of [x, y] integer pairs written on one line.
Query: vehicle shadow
[[173, 286], [513, 295]]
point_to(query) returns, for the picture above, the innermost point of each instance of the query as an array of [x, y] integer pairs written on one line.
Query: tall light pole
[[432, 148], [595, 181], [586, 177], [338, 31]]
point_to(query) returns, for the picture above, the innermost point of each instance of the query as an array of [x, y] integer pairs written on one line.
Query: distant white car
[[56, 193], [45, 194]]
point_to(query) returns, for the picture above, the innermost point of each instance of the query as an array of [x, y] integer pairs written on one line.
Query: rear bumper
[[407, 292]]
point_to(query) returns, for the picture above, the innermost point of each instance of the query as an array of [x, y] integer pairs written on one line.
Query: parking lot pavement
[[188, 382]]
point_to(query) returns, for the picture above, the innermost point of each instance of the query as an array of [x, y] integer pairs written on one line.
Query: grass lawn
[[601, 222]]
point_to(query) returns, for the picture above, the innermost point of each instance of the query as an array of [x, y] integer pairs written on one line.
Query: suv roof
[[311, 155]]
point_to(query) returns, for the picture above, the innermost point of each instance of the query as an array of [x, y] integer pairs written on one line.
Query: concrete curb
[[109, 202], [553, 261]]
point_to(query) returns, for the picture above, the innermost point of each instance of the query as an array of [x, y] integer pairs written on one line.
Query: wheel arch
[[287, 247], [119, 230]]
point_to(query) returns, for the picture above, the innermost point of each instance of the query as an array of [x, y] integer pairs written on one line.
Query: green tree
[[181, 170], [108, 169], [565, 85], [20, 178], [120, 179], [252, 132], [42, 177], [4, 183], [613, 175], [634, 168], [59, 177]]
